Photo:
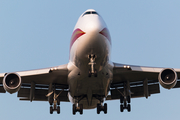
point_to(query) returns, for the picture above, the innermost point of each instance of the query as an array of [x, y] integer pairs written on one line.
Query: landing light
[[126, 66], [54, 68]]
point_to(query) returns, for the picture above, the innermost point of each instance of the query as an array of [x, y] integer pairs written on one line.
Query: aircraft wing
[[36, 83], [143, 81]]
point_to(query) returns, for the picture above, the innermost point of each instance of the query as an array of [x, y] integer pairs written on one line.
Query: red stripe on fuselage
[[76, 34], [105, 32]]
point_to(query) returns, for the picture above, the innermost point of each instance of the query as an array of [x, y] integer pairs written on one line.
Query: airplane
[[90, 78]]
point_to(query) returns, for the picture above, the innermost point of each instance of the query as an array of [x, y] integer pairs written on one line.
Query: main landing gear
[[78, 107], [54, 104], [125, 103], [125, 99], [92, 70], [54, 101], [100, 106]]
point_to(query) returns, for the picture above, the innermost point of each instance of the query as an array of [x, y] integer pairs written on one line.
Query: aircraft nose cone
[[94, 26]]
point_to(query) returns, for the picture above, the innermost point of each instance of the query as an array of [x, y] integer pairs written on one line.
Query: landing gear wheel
[[121, 99], [58, 101], [51, 110], [129, 107], [121, 108], [58, 110], [74, 109], [89, 75], [128, 99], [51, 101], [105, 108], [95, 73], [98, 108], [81, 108]]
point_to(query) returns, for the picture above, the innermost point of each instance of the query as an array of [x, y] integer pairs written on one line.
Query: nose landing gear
[[92, 70]]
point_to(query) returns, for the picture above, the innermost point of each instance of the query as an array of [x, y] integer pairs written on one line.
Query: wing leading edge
[[142, 81], [36, 83]]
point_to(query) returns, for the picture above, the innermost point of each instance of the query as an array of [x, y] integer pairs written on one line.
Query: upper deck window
[[90, 12]]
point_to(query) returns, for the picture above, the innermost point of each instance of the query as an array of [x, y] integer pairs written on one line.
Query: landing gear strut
[[92, 70]]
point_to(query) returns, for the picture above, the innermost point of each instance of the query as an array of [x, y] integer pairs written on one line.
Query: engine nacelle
[[12, 82], [167, 78]]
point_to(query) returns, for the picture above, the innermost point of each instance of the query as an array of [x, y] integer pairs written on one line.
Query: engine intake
[[168, 78], [12, 82]]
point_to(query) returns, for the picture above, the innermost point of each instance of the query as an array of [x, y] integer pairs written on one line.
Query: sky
[[36, 34]]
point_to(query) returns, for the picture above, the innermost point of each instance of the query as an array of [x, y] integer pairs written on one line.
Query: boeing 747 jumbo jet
[[90, 78]]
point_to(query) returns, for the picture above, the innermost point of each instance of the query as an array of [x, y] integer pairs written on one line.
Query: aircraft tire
[[58, 110], [129, 107], [51, 110], [121, 99], [95, 73], [128, 99], [74, 109], [121, 108], [105, 108], [89, 74], [58, 101], [81, 109], [98, 108], [51, 101]]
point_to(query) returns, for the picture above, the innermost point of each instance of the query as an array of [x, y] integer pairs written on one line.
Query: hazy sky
[[36, 34]]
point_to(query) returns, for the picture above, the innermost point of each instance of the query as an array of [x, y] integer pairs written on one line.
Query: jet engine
[[12, 82], [167, 78]]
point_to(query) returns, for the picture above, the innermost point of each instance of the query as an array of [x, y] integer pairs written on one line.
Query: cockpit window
[[86, 13], [93, 12], [90, 12]]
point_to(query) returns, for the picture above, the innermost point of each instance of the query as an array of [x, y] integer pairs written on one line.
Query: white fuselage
[[90, 37]]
